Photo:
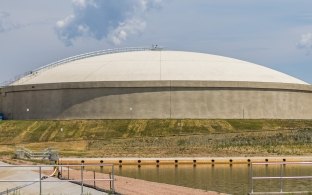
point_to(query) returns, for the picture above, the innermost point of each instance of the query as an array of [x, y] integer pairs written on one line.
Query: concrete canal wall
[[184, 161]]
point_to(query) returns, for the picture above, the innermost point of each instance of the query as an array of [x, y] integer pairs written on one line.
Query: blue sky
[[276, 34]]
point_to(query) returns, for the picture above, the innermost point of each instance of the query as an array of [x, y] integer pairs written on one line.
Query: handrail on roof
[[92, 54], [78, 57]]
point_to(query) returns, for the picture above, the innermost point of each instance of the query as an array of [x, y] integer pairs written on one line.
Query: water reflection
[[234, 179], [222, 178]]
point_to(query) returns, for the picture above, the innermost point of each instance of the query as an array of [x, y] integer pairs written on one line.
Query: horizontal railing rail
[[281, 177], [23, 152], [42, 179], [74, 58]]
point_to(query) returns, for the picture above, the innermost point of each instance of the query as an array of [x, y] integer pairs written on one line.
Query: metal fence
[[81, 174], [47, 153], [281, 177]]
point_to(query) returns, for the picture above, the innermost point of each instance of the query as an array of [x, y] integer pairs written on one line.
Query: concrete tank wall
[[158, 99]]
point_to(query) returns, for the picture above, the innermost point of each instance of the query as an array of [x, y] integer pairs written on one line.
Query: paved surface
[[130, 186], [51, 188], [123, 185]]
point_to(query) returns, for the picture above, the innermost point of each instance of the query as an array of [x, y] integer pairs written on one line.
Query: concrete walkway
[[29, 188], [130, 186]]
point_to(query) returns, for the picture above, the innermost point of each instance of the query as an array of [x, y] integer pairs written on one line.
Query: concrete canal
[[234, 179]]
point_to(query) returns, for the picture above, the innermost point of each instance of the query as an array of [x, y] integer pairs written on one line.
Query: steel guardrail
[[30, 154], [74, 58], [41, 179], [281, 177]]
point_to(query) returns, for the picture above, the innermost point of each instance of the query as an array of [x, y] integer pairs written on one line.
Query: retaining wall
[[184, 161]]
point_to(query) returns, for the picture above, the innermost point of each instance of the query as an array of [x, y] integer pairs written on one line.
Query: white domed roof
[[155, 65]]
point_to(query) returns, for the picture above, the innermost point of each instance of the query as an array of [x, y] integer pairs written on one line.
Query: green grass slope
[[160, 138]]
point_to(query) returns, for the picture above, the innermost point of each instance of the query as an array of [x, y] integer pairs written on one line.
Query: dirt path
[[130, 186]]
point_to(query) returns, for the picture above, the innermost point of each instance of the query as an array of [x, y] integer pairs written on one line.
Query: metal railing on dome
[[77, 57]]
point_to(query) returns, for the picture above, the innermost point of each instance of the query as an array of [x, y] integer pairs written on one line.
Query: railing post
[[94, 178], [40, 189], [61, 176], [81, 169], [251, 178], [281, 177], [113, 180], [110, 180]]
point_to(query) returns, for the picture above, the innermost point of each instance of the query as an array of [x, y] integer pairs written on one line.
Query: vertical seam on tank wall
[[160, 66], [170, 98]]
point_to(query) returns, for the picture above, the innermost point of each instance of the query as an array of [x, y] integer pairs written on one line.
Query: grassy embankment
[[160, 138]]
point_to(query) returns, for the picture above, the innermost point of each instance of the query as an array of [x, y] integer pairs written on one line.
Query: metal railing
[[74, 58], [281, 177], [58, 171], [48, 153]]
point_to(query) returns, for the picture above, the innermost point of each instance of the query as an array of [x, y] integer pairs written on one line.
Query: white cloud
[[105, 19], [129, 27], [6, 24], [82, 3], [306, 42]]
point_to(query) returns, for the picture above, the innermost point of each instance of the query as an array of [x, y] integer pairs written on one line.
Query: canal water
[[233, 179]]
